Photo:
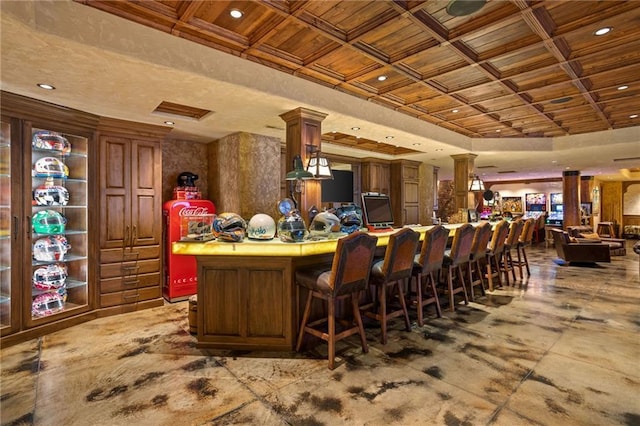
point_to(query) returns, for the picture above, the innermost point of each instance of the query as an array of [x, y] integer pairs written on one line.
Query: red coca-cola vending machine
[[186, 219]]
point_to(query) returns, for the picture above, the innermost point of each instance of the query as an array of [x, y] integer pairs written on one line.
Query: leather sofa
[[579, 252], [585, 233]]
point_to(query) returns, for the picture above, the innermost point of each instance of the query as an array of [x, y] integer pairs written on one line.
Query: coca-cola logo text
[[193, 211]]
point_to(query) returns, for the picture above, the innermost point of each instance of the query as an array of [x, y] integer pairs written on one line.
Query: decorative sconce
[[296, 179], [318, 164], [477, 185]]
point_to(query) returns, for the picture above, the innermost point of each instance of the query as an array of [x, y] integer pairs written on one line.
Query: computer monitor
[[377, 211], [339, 189]]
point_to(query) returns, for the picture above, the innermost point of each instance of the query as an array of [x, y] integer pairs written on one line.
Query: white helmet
[[261, 227], [51, 166], [51, 141], [324, 223], [50, 248], [50, 277], [49, 194], [47, 304]]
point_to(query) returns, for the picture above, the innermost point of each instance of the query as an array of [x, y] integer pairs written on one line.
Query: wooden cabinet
[[47, 185], [405, 197], [245, 302], [130, 215], [376, 176]]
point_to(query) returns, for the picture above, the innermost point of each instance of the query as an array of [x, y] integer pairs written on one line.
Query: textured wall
[[183, 156], [245, 174]]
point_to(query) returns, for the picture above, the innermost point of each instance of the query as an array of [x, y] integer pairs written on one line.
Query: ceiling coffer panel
[[526, 68]]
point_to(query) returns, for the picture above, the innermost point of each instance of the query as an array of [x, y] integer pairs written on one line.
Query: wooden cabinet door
[[145, 193], [115, 184]]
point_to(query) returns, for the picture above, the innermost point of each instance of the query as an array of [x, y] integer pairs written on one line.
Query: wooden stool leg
[[435, 294], [464, 288], [332, 332], [382, 295], [356, 316], [305, 319], [419, 299], [403, 303]]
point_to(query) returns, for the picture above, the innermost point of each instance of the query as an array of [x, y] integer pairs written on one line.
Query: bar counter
[[247, 297]]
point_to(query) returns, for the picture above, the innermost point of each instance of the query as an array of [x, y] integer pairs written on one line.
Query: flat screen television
[[377, 211], [339, 189]]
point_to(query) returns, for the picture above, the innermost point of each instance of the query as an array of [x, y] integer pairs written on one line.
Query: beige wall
[[184, 156]]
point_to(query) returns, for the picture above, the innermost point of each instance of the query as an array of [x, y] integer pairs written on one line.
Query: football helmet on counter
[[229, 227], [48, 222], [51, 167], [261, 227], [50, 277], [46, 304], [324, 224], [53, 141], [51, 248], [291, 228], [49, 194], [350, 218]]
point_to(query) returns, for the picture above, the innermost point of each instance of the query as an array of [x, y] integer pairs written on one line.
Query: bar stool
[[526, 239], [392, 272], [346, 277], [494, 252], [455, 259], [478, 257], [426, 269], [515, 229]]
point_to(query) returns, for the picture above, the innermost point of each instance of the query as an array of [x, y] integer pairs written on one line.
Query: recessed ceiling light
[[388, 137], [46, 86], [602, 31], [498, 131], [417, 144], [454, 111], [235, 13], [169, 123], [633, 116], [358, 137], [439, 149], [623, 87], [355, 128], [382, 78]]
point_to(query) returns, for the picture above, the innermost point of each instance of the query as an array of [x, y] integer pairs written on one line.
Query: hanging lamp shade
[[298, 171], [319, 166], [477, 185]]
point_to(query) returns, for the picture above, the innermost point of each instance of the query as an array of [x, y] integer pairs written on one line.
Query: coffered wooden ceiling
[[515, 68]]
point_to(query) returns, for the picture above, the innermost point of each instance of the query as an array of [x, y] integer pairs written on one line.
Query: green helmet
[[48, 222]]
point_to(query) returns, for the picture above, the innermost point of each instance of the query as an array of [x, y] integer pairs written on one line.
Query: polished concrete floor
[[560, 348]]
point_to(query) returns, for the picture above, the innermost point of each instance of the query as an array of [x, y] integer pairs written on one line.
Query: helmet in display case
[[323, 224], [53, 141], [49, 194], [291, 228], [261, 227], [51, 248], [51, 166], [229, 227], [46, 304], [50, 277], [48, 222]]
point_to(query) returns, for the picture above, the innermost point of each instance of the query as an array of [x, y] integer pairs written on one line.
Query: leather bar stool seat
[[390, 275], [427, 268], [345, 278]]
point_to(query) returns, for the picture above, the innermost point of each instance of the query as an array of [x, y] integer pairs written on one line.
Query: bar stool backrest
[[400, 254], [352, 263], [515, 230], [527, 232], [461, 246], [433, 248], [481, 240], [498, 238]]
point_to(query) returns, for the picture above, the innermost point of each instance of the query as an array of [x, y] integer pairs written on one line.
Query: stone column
[[462, 170], [304, 131], [571, 198]]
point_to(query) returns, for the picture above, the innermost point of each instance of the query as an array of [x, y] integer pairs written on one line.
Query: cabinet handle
[[135, 296], [134, 235], [126, 236], [28, 227], [15, 228]]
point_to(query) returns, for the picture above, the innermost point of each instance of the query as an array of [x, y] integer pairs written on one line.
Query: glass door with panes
[[58, 238]]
